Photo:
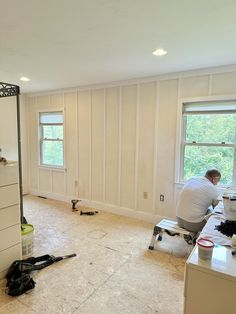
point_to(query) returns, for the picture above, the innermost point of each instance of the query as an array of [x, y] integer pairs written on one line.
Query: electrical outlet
[[161, 197], [145, 195], [76, 183]]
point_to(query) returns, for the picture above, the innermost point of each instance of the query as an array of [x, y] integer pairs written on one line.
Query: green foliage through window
[[209, 143]]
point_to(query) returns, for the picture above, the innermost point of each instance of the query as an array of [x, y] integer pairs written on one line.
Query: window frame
[[181, 135], [41, 140]]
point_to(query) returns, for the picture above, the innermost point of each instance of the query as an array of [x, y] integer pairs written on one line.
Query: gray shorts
[[191, 226]]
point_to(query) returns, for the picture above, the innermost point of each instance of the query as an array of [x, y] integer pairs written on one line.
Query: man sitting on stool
[[197, 195]]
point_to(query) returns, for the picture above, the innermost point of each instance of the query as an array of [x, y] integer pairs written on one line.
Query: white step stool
[[172, 227]]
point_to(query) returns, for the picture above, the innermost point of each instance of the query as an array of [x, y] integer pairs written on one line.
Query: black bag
[[18, 275]]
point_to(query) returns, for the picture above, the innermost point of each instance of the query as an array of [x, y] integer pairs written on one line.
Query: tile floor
[[113, 272]]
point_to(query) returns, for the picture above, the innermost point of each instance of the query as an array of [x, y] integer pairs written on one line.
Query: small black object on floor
[[90, 213], [74, 202]]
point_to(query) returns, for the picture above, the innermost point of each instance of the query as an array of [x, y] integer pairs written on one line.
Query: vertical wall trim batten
[[155, 147], [28, 114], [104, 142], [178, 166], [64, 143], [136, 150], [77, 145], [119, 145], [210, 85], [38, 161], [90, 146]]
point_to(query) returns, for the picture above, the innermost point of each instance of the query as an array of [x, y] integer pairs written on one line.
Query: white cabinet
[[10, 233], [210, 285]]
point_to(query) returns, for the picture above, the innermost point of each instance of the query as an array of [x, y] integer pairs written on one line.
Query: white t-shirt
[[195, 198]]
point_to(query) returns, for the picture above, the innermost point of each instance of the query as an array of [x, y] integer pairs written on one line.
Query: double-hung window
[[51, 139], [209, 139]]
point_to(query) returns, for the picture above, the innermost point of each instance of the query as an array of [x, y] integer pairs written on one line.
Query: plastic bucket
[[27, 238], [205, 248]]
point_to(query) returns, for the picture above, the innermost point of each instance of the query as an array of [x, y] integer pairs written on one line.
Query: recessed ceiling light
[[25, 79], [159, 52]]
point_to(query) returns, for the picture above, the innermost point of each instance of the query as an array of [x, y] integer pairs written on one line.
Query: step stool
[[171, 226]]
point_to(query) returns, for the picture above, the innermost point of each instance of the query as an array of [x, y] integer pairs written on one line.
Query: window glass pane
[[53, 117], [52, 153], [210, 128], [198, 159], [52, 131]]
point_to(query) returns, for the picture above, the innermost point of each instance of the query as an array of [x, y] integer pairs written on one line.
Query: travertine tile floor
[[113, 272]]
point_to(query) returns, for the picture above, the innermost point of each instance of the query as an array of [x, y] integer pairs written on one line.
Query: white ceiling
[[68, 43]]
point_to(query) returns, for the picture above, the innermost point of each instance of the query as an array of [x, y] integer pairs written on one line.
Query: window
[[51, 139], [209, 139]]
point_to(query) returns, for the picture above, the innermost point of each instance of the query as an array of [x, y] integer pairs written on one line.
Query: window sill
[[52, 168], [180, 185]]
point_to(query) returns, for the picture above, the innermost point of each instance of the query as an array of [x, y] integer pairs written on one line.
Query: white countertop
[[223, 264]]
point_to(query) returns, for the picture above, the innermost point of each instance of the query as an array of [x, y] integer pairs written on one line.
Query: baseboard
[[54, 196], [123, 211]]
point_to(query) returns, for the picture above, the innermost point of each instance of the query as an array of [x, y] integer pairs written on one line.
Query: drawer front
[[9, 216], [7, 257], [10, 237], [9, 173], [9, 195]]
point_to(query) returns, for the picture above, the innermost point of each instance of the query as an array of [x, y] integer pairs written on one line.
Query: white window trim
[[180, 130], [51, 167]]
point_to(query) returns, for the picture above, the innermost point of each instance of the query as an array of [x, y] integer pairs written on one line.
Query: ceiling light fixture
[[159, 52], [25, 79]]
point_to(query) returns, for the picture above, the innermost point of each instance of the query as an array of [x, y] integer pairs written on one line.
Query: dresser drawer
[[9, 216], [9, 237], [7, 257], [9, 173], [9, 195]]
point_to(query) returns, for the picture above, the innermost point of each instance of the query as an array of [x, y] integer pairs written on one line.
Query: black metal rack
[[8, 90]]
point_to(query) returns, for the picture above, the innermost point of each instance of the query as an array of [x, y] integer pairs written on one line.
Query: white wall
[[8, 133], [8, 128], [120, 141]]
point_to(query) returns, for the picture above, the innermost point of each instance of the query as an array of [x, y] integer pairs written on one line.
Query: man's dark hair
[[212, 173]]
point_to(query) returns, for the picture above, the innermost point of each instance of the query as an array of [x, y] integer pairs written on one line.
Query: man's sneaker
[[188, 238]]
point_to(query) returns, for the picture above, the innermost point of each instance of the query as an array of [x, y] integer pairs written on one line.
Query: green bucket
[[27, 238]]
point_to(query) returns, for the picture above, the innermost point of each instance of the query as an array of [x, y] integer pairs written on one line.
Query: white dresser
[[210, 286], [10, 233]]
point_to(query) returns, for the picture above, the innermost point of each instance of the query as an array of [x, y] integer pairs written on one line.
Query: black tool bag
[[18, 275]]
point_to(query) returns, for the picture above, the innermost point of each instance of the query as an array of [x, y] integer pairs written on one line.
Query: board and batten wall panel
[[120, 141], [45, 180], [98, 144], [84, 140], [58, 182], [146, 134], [33, 143], [194, 86], [168, 92], [128, 145], [224, 83], [24, 143], [112, 145], [56, 101], [70, 144]]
